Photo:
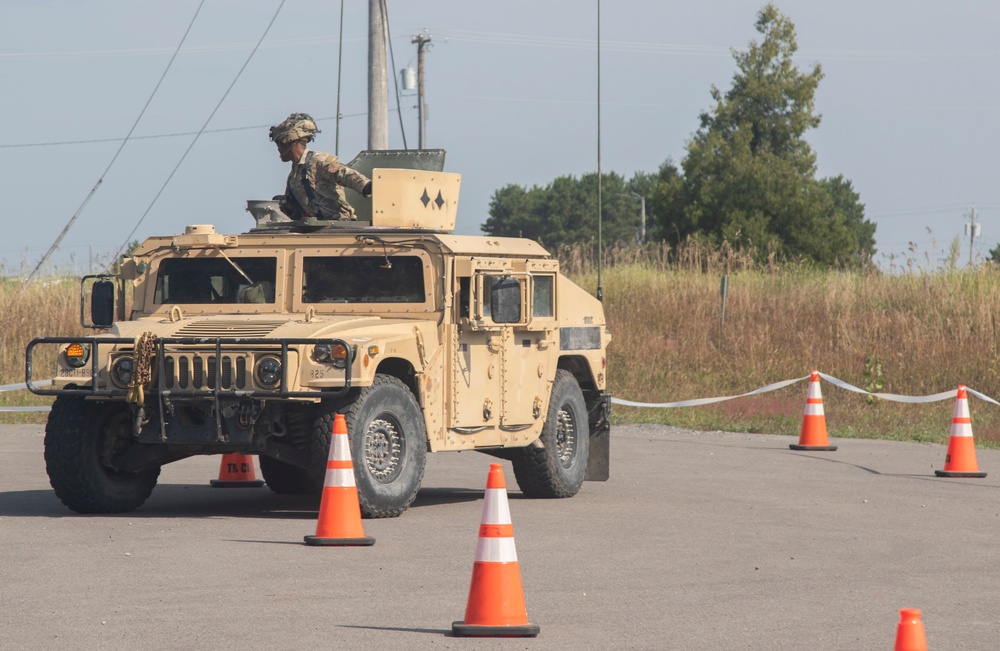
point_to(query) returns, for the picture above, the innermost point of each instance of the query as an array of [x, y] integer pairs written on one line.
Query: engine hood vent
[[212, 328]]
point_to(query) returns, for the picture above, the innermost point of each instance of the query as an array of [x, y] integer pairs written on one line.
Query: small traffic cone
[[960, 460], [236, 471], [339, 521], [496, 598], [813, 434], [910, 631]]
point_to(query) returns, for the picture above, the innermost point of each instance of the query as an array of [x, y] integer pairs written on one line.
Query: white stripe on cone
[[814, 409], [964, 427], [814, 400], [339, 478], [496, 550], [496, 510]]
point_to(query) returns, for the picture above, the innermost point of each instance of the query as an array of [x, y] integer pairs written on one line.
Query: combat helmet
[[297, 126]]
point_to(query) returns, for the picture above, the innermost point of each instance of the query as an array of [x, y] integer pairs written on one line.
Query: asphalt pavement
[[700, 540]]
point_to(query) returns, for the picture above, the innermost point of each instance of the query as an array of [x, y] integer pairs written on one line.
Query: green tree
[[565, 211], [848, 204], [749, 175], [995, 254]]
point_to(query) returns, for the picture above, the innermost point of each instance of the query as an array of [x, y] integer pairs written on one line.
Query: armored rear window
[[363, 279], [200, 281]]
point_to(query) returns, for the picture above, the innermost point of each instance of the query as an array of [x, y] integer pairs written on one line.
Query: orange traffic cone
[[813, 433], [496, 598], [960, 460], [339, 511], [236, 471], [910, 631]]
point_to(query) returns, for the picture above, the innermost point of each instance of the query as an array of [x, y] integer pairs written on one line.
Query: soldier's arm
[[343, 175]]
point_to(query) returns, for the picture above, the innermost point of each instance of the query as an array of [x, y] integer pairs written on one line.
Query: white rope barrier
[[707, 401], [17, 387], [891, 397], [695, 402]]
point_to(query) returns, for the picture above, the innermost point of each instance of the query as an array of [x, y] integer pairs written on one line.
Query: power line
[[710, 50], [161, 135], [928, 210], [100, 179], [200, 131], [542, 41], [395, 73], [197, 49]]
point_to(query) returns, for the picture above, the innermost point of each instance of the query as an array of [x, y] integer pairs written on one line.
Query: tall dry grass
[[913, 333], [49, 307]]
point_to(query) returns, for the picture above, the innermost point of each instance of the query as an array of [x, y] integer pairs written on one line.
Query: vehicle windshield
[[363, 279], [197, 281]]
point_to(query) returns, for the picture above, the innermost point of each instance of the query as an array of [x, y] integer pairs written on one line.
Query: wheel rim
[[565, 437], [384, 448]]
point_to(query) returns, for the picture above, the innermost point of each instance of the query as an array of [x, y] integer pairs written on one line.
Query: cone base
[[814, 448], [225, 483], [315, 541], [461, 629], [948, 473]]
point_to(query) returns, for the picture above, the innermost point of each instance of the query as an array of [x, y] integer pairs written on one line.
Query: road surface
[[699, 541]]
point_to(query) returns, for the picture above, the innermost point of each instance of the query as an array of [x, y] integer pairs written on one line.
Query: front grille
[[186, 365], [196, 371]]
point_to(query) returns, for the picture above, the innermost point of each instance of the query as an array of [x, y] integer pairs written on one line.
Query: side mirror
[[102, 304], [505, 300]]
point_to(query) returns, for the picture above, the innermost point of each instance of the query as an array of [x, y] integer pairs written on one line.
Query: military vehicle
[[425, 340]]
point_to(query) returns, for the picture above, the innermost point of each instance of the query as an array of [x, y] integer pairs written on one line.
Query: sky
[[909, 106]]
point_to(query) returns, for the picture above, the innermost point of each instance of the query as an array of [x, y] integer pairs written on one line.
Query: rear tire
[[557, 468], [80, 440]]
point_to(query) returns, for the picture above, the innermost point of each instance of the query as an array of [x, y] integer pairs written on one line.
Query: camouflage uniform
[[315, 185]]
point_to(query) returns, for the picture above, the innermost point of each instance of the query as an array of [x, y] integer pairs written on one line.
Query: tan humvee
[[251, 343]]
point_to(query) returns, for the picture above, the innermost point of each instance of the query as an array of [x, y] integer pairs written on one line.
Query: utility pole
[[422, 40], [340, 60], [972, 229], [378, 85], [642, 217]]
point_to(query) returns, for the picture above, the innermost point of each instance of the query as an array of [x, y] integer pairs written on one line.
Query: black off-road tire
[[79, 436], [557, 468], [285, 479], [388, 446]]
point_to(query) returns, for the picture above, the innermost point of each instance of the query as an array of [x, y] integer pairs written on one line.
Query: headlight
[[322, 353], [77, 354], [336, 354], [267, 372], [121, 371]]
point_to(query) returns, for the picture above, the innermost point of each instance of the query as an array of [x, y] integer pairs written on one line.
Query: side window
[[543, 303], [464, 297], [487, 306], [363, 279]]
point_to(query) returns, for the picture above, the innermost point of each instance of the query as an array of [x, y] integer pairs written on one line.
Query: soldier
[[314, 183]]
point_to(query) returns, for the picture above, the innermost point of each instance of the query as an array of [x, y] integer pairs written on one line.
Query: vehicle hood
[[268, 326]]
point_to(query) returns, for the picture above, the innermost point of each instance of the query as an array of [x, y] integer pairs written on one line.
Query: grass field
[[910, 333], [906, 333]]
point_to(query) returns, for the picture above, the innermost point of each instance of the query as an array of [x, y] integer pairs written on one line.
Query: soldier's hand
[[367, 190]]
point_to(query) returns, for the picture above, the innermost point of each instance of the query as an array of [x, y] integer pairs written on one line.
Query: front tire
[[81, 439], [388, 447], [557, 468]]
